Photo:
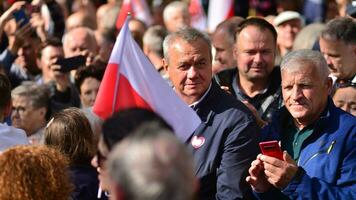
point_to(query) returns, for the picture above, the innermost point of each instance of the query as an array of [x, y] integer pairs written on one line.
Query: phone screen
[[21, 16], [271, 148]]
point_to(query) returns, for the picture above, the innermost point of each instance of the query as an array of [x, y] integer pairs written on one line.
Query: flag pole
[[128, 18]]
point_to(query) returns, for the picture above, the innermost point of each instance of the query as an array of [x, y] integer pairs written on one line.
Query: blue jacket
[[327, 159], [228, 144]]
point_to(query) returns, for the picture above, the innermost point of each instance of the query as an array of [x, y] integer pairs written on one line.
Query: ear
[[354, 49], [235, 51], [329, 85], [146, 50], [165, 65], [42, 112]]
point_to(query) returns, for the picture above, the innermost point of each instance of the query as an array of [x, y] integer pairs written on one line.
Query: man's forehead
[[197, 48], [301, 73], [21, 100]]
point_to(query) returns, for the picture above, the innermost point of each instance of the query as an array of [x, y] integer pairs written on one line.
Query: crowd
[[276, 71]]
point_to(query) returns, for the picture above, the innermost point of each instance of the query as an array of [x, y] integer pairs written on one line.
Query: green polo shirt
[[294, 138]]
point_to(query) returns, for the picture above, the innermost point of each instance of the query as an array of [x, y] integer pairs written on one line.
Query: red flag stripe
[[128, 97]]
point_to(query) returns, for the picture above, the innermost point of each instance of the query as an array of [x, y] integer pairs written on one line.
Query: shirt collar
[[193, 105]]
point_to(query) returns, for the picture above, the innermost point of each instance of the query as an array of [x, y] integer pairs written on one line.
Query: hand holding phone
[[271, 148], [68, 64], [21, 17]]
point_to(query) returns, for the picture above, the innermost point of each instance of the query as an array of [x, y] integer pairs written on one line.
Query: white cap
[[286, 16]]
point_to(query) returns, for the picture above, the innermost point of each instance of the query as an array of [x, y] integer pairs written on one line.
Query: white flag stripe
[[149, 84], [218, 12]]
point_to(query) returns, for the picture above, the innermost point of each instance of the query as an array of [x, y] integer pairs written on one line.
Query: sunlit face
[[88, 91], [341, 57], [287, 33], [178, 19], [189, 68], [255, 53], [345, 98], [25, 116], [49, 56], [79, 42], [224, 56], [304, 92]]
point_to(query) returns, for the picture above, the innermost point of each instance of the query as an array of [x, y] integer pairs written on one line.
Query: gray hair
[[69, 34], [152, 164], [38, 94], [185, 34], [342, 28], [153, 38], [172, 7], [305, 56]]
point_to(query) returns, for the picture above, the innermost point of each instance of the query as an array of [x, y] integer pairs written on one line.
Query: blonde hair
[[69, 131]]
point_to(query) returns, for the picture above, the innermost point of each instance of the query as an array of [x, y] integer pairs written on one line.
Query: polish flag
[[218, 12], [198, 16], [130, 80], [138, 9]]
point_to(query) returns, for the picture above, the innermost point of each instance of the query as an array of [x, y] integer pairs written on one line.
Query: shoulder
[[226, 104], [225, 77], [11, 136]]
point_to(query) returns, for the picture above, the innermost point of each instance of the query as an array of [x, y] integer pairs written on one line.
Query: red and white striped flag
[[198, 16], [138, 9], [218, 12], [130, 80]]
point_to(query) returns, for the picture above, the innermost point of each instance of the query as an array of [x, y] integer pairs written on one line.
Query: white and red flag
[[130, 80], [198, 16], [138, 9], [218, 12]]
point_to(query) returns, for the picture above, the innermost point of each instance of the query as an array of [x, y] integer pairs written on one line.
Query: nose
[[258, 58], [288, 28], [94, 162], [93, 95], [346, 108], [328, 60], [296, 93], [192, 73]]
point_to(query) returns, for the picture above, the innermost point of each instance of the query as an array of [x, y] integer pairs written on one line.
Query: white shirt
[[11, 136]]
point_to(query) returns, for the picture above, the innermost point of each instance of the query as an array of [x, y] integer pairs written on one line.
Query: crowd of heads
[[135, 152]]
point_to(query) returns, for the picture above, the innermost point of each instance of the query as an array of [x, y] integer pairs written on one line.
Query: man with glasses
[[318, 138]]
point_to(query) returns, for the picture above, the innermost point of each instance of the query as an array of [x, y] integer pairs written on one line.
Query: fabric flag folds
[[218, 12], [138, 9], [198, 16], [130, 80]]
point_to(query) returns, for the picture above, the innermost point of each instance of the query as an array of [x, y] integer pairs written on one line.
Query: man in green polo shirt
[[319, 139]]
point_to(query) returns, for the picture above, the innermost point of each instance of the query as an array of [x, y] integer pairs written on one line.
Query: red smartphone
[[271, 148]]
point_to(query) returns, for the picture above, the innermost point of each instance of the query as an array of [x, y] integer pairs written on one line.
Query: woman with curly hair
[[34, 173], [69, 131]]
